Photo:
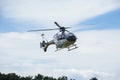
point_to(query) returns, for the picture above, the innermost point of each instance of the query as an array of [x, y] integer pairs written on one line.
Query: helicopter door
[[59, 40]]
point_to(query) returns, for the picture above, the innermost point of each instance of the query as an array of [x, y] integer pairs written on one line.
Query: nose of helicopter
[[71, 38]]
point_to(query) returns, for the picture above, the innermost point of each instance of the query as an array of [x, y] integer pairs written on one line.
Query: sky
[[96, 24]]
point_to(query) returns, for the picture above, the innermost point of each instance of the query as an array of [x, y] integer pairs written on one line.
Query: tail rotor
[[44, 41]]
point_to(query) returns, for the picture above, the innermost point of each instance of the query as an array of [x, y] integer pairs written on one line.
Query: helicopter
[[62, 39]]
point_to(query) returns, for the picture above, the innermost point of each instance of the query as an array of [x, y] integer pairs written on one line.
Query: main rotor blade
[[43, 30], [57, 24], [67, 27]]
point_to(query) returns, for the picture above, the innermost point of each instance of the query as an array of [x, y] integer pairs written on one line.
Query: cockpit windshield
[[60, 35]]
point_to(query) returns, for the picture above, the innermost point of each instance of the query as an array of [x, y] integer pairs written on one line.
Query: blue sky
[[96, 25], [9, 25], [110, 20]]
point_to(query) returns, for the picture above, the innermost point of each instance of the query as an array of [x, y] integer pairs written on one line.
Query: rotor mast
[[62, 29]]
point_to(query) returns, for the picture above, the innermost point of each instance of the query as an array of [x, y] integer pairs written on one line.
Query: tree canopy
[[13, 76]]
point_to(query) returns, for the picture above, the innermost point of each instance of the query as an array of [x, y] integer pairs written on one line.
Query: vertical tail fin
[[44, 45]]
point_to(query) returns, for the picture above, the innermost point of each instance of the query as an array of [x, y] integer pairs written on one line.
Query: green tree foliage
[[94, 78], [3, 76], [39, 77], [25, 78], [63, 78], [10, 76], [13, 76]]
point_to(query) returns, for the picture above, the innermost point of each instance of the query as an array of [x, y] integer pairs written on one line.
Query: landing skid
[[72, 47], [58, 49]]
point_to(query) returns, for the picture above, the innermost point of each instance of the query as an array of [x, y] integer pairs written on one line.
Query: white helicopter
[[62, 39]]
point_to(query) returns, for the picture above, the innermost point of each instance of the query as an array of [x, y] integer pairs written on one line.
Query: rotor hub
[[62, 29]]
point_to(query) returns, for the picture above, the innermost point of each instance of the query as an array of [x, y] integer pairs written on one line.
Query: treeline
[[13, 76]]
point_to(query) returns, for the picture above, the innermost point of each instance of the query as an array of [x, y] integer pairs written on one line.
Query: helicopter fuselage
[[64, 40]]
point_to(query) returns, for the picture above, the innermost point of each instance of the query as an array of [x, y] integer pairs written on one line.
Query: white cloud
[[43, 12], [98, 54], [102, 41], [85, 74]]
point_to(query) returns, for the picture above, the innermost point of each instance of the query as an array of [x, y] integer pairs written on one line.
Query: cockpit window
[[59, 36]]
